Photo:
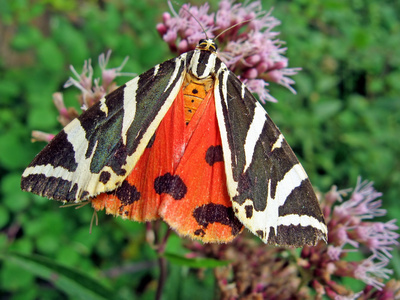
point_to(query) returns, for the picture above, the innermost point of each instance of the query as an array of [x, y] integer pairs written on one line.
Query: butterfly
[[187, 142]]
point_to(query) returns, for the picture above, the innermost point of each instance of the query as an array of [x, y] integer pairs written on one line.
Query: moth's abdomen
[[194, 92], [193, 95]]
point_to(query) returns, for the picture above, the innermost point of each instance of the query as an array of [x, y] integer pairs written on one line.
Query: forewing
[[270, 191], [97, 151]]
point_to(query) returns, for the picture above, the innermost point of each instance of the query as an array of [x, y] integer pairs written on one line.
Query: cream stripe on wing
[[129, 106], [253, 134]]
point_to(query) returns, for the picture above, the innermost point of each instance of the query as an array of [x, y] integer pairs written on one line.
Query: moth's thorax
[[200, 78], [203, 64]]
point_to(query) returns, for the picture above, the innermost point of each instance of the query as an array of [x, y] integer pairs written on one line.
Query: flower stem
[[162, 262]]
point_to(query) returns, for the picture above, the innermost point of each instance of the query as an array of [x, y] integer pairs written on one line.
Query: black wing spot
[[192, 101], [195, 91], [249, 211], [104, 177], [200, 232], [214, 154], [217, 213], [171, 185], [260, 233], [127, 193]]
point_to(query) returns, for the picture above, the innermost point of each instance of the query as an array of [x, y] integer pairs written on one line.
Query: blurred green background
[[343, 122]]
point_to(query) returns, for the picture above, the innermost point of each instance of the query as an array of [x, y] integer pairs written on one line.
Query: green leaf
[[72, 282], [13, 198], [4, 216], [13, 153], [195, 262], [19, 279]]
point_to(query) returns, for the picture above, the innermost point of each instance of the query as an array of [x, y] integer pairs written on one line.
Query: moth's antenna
[[205, 33], [77, 205], [233, 26], [95, 217], [198, 22]]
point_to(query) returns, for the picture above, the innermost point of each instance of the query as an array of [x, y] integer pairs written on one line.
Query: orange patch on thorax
[[194, 92]]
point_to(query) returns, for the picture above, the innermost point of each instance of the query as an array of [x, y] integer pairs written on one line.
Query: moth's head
[[207, 44]]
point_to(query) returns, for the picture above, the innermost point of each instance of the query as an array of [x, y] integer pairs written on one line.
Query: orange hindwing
[[180, 177]]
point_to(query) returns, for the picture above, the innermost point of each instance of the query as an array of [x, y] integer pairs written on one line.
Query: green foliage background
[[343, 122]]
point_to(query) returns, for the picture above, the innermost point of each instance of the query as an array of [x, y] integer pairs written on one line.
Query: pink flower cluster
[[250, 48], [92, 90], [261, 272], [352, 228]]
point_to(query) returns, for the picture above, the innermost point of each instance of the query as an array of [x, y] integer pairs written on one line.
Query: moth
[[187, 142]]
